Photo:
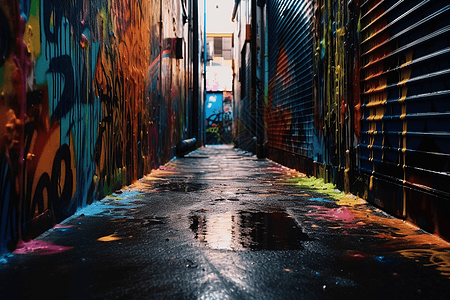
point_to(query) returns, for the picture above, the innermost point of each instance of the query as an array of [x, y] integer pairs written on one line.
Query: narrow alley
[[220, 223], [225, 149]]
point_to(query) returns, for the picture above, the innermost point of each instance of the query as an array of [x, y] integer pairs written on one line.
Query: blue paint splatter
[[64, 229], [5, 258], [109, 206], [384, 259], [320, 200]]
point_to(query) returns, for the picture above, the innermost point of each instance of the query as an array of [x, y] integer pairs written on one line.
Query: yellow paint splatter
[[264, 195], [350, 200], [148, 177], [371, 183], [109, 238], [437, 258], [316, 184], [405, 75]]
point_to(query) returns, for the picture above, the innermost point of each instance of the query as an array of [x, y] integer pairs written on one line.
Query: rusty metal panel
[[289, 113], [405, 86]]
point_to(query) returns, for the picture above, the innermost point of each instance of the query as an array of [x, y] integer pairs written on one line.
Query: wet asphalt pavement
[[222, 224]]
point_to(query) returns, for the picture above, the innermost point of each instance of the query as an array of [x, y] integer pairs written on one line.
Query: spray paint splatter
[[39, 248], [4, 259], [342, 215], [165, 168], [59, 226], [350, 200], [63, 228], [320, 200], [438, 258], [109, 238]]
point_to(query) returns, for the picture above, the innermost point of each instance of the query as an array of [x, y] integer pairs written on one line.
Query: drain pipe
[[205, 57], [186, 146], [196, 112]]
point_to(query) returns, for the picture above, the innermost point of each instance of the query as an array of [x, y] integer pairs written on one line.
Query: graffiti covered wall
[[91, 98]]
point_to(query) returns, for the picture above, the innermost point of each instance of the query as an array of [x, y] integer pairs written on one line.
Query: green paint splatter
[[113, 197], [317, 185]]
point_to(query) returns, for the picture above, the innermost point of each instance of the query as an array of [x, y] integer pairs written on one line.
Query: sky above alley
[[218, 18]]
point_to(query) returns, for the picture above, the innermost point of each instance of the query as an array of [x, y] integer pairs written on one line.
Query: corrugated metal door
[[289, 114], [405, 133]]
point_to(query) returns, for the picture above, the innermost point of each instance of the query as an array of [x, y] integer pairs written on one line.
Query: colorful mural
[[214, 117], [219, 117], [91, 98]]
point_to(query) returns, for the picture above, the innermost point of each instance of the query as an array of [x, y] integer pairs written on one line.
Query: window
[[218, 46]]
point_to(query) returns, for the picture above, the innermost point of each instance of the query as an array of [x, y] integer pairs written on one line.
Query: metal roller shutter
[[290, 110], [405, 80]]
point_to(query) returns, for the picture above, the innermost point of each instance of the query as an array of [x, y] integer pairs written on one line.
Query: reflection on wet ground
[[229, 228], [247, 230], [177, 186]]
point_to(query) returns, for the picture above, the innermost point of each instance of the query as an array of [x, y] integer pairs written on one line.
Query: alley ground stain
[[249, 230]]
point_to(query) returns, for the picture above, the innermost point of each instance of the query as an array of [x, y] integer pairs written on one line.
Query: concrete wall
[[92, 97]]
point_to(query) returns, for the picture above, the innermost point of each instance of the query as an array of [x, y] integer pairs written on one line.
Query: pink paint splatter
[[163, 168], [341, 214], [39, 247], [59, 226]]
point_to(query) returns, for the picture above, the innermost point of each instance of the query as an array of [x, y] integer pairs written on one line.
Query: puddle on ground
[[246, 230]]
